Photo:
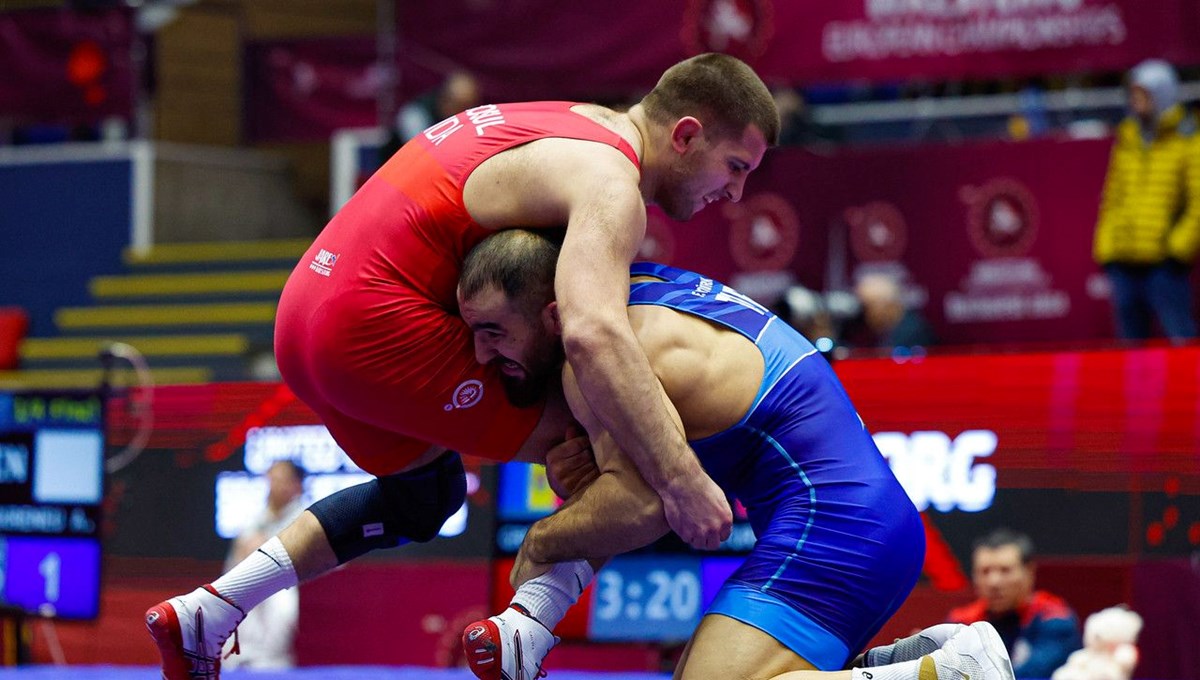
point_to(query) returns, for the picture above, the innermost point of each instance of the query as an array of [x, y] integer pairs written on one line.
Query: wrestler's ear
[[685, 132], [550, 318]]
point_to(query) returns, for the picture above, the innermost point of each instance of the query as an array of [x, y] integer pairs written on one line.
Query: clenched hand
[[697, 510]]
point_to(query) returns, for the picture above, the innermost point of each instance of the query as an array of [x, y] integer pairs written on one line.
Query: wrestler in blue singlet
[[840, 545]]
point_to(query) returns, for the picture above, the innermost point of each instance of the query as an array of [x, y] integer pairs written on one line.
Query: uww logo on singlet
[[323, 262]]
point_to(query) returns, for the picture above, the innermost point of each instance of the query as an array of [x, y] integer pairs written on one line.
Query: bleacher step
[[220, 314], [198, 284], [90, 378], [217, 253], [224, 344]]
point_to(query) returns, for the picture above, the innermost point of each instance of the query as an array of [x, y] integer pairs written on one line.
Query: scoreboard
[[52, 449], [657, 594]]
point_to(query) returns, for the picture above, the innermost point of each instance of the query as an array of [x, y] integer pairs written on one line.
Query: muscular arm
[[594, 189], [616, 513], [605, 227]]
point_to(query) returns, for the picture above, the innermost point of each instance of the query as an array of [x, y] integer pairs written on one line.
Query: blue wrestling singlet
[[840, 545]]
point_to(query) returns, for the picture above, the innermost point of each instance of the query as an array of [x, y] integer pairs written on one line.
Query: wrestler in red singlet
[[367, 332]]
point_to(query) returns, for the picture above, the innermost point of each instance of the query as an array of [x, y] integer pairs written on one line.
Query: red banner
[[306, 89], [66, 67], [571, 51], [993, 239], [1118, 420], [542, 49], [949, 39]]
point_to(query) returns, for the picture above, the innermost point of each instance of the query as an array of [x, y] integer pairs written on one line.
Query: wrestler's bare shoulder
[[531, 184], [616, 121], [568, 148]]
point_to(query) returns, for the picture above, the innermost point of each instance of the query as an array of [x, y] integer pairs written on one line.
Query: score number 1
[[51, 570]]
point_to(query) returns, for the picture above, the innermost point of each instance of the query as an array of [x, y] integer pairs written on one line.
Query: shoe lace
[[541, 672], [237, 645]]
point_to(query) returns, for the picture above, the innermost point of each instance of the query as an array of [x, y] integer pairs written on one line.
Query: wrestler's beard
[[532, 389]]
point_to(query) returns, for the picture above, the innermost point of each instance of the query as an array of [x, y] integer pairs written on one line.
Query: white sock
[[548, 597], [265, 572]]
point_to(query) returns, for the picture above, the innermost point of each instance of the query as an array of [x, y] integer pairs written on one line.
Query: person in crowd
[[1148, 230], [889, 320], [458, 92], [1039, 629], [807, 311], [267, 635]]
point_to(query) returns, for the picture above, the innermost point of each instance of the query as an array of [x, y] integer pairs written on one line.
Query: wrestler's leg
[[615, 513], [306, 548], [973, 653], [759, 656]]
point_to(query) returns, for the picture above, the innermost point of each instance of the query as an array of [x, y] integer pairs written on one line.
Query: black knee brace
[[393, 510]]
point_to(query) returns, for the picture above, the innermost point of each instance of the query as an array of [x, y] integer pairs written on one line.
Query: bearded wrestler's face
[[521, 342]]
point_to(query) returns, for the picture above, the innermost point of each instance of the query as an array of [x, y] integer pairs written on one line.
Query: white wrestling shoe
[[190, 631], [912, 647], [974, 653], [510, 646]]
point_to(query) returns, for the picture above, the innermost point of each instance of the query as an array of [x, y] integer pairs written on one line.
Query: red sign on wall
[[63, 66]]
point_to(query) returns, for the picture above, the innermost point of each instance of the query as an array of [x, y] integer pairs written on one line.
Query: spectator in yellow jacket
[[1149, 226]]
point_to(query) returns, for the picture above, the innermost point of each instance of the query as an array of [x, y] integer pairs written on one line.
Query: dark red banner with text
[[629, 43], [993, 240], [948, 39], [541, 49]]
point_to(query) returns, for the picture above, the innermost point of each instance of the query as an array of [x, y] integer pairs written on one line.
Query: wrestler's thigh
[[728, 649]]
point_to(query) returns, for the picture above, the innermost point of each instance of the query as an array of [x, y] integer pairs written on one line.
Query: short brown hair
[[521, 263], [718, 90]]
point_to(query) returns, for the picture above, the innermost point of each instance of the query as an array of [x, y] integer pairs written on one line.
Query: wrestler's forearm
[[611, 516], [592, 288], [626, 398]]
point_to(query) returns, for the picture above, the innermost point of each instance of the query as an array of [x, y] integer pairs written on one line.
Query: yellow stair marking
[[90, 378], [74, 318], [219, 251], [188, 284], [154, 346]]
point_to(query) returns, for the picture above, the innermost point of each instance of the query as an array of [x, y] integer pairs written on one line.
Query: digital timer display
[[637, 598], [51, 489]]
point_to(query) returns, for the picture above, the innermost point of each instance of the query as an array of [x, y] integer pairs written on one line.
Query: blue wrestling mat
[[314, 673]]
